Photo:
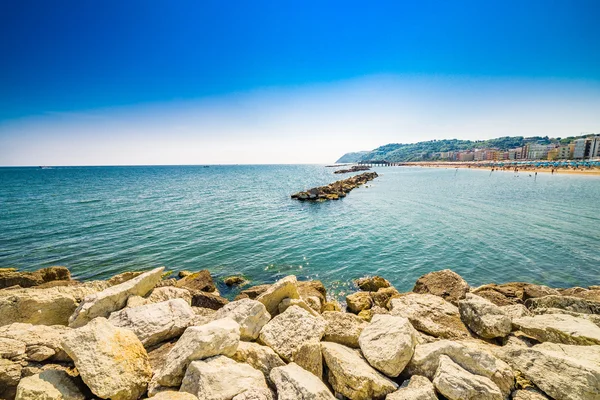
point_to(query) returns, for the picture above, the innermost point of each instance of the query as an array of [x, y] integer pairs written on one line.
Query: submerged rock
[[235, 280], [446, 283]]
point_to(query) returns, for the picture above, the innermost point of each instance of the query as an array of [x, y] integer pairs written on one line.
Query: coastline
[[487, 166]]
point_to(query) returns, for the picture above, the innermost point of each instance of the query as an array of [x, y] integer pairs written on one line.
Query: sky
[[211, 82]]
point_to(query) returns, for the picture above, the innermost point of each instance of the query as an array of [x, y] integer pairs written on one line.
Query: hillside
[[352, 157]]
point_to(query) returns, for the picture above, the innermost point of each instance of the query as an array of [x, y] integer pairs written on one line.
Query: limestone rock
[[294, 382], [251, 315], [430, 314], [343, 328], [388, 343], [114, 298], [136, 301], [287, 302], [36, 306], [359, 301], [198, 342], [559, 328], [286, 287], [309, 358], [11, 277], [595, 318], [171, 395], [111, 361], [235, 280], [517, 292], [382, 297], [447, 284], [515, 311], [308, 290], [220, 378], [208, 300], [483, 317], [567, 303], [496, 297], [287, 332], [49, 385], [262, 358], [564, 372], [168, 293], [419, 388], [351, 375], [252, 292], [123, 277], [41, 342], [367, 315], [529, 394], [11, 348], [200, 280], [10, 374], [156, 322], [256, 394], [331, 306], [372, 283], [456, 383]]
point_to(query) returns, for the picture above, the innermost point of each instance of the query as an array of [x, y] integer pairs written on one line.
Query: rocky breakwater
[[354, 168], [145, 335], [335, 190]]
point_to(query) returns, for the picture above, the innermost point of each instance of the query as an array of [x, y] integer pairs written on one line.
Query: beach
[[593, 171]]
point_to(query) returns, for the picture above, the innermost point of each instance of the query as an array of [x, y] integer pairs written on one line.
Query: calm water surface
[[488, 227]]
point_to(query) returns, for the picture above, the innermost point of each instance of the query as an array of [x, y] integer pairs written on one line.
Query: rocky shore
[[335, 190], [354, 168], [145, 334]]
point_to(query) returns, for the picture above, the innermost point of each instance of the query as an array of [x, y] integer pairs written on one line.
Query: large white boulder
[[418, 388], [484, 317], [156, 322], [343, 328], [456, 383], [165, 293], [388, 343], [263, 358], [114, 298], [111, 361], [294, 382], [51, 384], [559, 328], [220, 378], [250, 314], [198, 342], [351, 375], [286, 287]]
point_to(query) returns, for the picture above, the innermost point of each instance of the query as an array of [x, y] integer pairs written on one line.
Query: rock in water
[[156, 322], [221, 378], [294, 382], [372, 283], [114, 298], [483, 317], [263, 358], [286, 287], [49, 385], [198, 342], [559, 328], [343, 328], [200, 280], [430, 314], [447, 284], [419, 388], [11, 277], [388, 343], [287, 332], [456, 383], [111, 361], [251, 315], [350, 374]]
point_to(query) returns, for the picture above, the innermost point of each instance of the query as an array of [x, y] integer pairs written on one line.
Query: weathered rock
[[351, 375], [111, 361], [388, 343], [559, 328], [252, 292], [200, 280], [198, 342], [456, 383], [158, 354], [11, 277], [308, 290], [251, 315], [124, 277], [359, 301], [208, 300], [343, 328], [331, 306], [529, 394], [36, 306], [286, 287], [483, 317], [114, 298], [10, 374], [425, 362], [168, 293], [294, 382], [517, 292], [256, 394], [221, 378], [567, 303], [11, 348], [382, 297], [156, 322], [136, 301], [418, 388], [430, 314], [595, 318], [496, 297], [367, 315], [262, 358], [235, 280], [49, 385], [516, 311], [41, 342], [447, 284], [287, 302], [564, 372], [309, 357], [372, 283], [171, 395], [287, 332]]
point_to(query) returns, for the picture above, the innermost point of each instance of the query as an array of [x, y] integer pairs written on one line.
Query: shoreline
[[486, 166]]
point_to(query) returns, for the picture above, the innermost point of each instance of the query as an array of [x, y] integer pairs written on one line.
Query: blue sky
[[157, 82]]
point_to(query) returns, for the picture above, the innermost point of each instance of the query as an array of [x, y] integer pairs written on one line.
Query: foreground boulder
[[251, 315], [11, 277], [165, 293], [564, 372], [157, 322], [220, 378], [294, 382], [350, 375], [418, 388], [567, 303], [529, 394], [446, 283], [343, 328], [33, 342], [430, 314], [456, 383], [287, 332], [263, 358], [286, 287], [114, 298], [359, 301], [198, 342], [111, 361], [483, 317], [309, 357], [559, 328], [10, 374], [36, 306], [388, 343], [49, 385]]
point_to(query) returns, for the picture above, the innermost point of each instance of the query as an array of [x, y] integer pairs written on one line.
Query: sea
[[490, 227]]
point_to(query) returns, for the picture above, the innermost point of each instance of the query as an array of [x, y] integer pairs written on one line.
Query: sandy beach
[[521, 169]]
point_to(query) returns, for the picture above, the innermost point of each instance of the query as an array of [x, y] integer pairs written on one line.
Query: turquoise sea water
[[488, 227]]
